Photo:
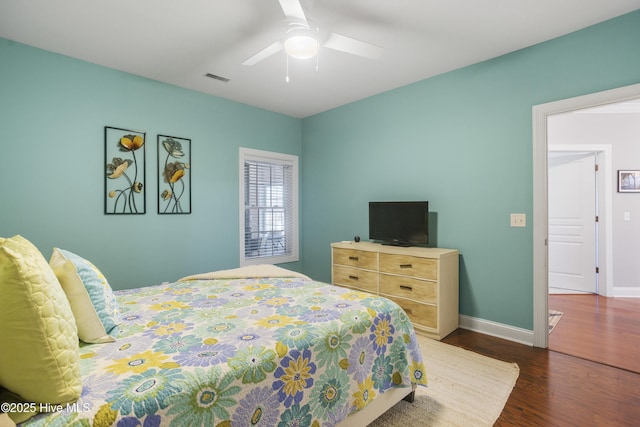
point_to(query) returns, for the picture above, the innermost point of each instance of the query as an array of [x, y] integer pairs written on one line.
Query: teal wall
[[53, 110], [463, 141]]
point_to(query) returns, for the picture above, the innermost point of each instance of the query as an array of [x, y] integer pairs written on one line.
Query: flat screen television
[[399, 223]]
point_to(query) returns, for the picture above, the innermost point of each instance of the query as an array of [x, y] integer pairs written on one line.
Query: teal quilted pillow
[[91, 298]]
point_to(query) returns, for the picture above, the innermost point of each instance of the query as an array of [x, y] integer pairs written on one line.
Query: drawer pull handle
[[406, 288], [353, 277], [406, 266], [353, 258]]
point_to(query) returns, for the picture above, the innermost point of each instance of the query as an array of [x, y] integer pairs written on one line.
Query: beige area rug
[[465, 389], [554, 318]]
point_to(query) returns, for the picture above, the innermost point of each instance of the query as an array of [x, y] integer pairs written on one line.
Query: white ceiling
[[178, 42]]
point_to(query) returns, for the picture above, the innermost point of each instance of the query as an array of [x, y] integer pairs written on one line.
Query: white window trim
[[260, 155]]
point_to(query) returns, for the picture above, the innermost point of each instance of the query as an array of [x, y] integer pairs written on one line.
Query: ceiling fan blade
[[264, 53], [356, 47], [292, 9]]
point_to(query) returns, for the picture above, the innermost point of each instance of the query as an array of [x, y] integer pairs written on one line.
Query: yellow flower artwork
[[124, 171], [174, 179]]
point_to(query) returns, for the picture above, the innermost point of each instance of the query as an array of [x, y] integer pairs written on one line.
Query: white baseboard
[[626, 292], [487, 327]]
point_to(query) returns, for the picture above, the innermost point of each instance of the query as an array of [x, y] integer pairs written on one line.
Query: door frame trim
[[540, 197]]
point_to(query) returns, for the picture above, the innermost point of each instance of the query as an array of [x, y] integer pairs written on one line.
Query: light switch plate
[[518, 220]]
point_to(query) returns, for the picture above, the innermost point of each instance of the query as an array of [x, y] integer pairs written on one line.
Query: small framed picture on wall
[[629, 181], [174, 175], [125, 170]]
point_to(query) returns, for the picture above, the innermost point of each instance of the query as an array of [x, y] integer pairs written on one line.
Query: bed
[[259, 346]]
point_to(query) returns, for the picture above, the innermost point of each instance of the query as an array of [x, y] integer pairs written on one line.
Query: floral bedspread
[[243, 352]]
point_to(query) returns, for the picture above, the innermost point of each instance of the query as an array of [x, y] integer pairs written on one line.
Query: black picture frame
[[629, 181], [174, 175], [125, 171]]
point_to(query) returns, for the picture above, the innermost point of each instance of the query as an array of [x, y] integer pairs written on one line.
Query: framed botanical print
[[125, 164], [174, 175]]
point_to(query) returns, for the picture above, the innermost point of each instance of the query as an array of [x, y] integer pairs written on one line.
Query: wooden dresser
[[423, 281]]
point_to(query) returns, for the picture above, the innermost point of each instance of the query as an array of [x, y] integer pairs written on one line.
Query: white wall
[[622, 132]]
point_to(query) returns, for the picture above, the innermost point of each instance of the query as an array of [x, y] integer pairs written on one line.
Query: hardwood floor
[[555, 389], [605, 330]]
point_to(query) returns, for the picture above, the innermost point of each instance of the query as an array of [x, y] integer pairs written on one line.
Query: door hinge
[[597, 218], [596, 168], [597, 270]]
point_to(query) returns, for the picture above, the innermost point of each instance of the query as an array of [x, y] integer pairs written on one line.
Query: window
[[268, 207]]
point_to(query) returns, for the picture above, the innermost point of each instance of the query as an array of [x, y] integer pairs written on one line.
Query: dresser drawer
[[406, 287], [420, 314], [357, 278], [356, 258], [425, 268]]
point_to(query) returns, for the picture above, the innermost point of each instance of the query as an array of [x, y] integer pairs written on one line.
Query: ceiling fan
[[302, 39]]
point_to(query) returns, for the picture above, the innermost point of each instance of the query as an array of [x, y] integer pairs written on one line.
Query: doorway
[[576, 195], [541, 114]]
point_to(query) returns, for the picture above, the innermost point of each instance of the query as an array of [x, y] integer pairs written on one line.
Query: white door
[[572, 222]]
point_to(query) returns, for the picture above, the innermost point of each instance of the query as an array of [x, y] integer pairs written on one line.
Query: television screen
[[399, 223]]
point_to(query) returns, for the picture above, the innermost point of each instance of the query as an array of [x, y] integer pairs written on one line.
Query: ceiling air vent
[[216, 77]]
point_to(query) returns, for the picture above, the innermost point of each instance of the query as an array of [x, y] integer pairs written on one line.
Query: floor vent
[[216, 77]]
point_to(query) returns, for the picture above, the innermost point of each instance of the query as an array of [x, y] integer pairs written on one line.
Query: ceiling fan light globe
[[301, 46]]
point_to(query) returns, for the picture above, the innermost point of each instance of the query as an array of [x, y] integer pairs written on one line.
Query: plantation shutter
[[268, 208]]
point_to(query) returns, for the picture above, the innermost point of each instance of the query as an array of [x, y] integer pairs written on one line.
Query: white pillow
[[92, 300]]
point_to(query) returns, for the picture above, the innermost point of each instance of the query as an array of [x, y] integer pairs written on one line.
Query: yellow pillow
[[91, 298], [40, 358], [5, 421]]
